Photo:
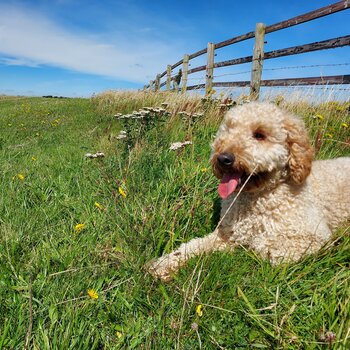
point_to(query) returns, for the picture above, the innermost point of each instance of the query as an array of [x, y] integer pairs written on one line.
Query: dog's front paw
[[163, 267]]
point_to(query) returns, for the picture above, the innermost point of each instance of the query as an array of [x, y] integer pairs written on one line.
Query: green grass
[[47, 187]]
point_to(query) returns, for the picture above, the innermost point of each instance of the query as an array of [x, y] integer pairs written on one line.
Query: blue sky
[[77, 48]]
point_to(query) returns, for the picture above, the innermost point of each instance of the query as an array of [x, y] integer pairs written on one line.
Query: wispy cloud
[[31, 39], [14, 61]]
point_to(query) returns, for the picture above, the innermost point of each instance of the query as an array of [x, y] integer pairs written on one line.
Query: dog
[[276, 200]]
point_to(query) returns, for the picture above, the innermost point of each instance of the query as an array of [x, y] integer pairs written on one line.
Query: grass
[[139, 201]]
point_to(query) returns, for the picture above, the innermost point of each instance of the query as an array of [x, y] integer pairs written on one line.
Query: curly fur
[[289, 204]]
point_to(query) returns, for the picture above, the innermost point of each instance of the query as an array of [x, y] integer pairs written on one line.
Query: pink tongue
[[228, 184]]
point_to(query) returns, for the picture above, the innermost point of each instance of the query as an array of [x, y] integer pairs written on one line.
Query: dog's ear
[[301, 153]]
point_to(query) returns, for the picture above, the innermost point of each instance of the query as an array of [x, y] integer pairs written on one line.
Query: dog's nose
[[226, 159]]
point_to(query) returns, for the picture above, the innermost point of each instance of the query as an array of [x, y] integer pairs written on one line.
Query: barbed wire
[[287, 67], [202, 79], [273, 69], [310, 87], [198, 79]]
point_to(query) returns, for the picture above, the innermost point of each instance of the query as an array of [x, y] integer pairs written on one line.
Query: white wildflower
[[177, 145]]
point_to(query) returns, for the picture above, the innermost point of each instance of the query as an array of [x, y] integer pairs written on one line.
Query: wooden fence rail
[[325, 80], [257, 58]]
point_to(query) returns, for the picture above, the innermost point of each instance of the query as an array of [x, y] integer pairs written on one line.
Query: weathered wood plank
[[319, 45], [235, 40], [168, 77], [157, 82], [321, 12], [185, 73], [198, 53], [326, 80], [294, 50], [179, 63], [197, 69], [258, 59], [210, 68]]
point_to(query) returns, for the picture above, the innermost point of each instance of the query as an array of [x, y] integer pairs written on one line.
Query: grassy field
[[76, 232]]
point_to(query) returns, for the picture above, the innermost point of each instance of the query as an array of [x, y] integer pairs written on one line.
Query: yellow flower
[[33, 159], [199, 310], [121, 192], [20, 177], [79, 227], [203, 170], [92, 294], [344, 125], [119, 334], [98, 205], [329, 135], [319, 116]]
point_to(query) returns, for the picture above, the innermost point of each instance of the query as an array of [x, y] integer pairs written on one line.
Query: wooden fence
[[257, 58]]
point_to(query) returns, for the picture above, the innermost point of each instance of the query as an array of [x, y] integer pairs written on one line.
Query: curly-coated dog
[[275, 199]]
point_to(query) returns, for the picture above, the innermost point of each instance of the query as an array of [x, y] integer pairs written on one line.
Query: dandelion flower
[[98, 206], [119, 334], [121, 192], [319, 116], [34, 159], [92, 294], [203, 170], [199, 310], [20, 177], [344, 125], [79, 227]]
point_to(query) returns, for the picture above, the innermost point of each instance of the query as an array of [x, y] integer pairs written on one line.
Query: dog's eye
[[258, 135]]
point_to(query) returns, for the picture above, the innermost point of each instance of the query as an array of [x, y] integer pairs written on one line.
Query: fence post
[[184, 73], [168, 77], [157, 83], [210, 69], [258, 61]]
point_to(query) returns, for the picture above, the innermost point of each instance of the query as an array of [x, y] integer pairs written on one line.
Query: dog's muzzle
[[226, 160]]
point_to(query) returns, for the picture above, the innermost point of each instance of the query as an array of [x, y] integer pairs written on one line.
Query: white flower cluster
[[143, 112], [95, 155], [194, 115], [177, 145], [122, 135]]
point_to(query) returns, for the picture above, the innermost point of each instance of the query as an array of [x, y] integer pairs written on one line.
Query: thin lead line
[[233, 202]]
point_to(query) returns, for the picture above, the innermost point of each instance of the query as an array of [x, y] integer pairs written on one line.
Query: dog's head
[[262, 145]]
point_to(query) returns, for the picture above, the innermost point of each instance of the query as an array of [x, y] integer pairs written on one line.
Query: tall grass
[[142, 200]]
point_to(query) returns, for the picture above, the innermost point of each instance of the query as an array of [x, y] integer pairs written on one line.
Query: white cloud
[[31, 39]]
